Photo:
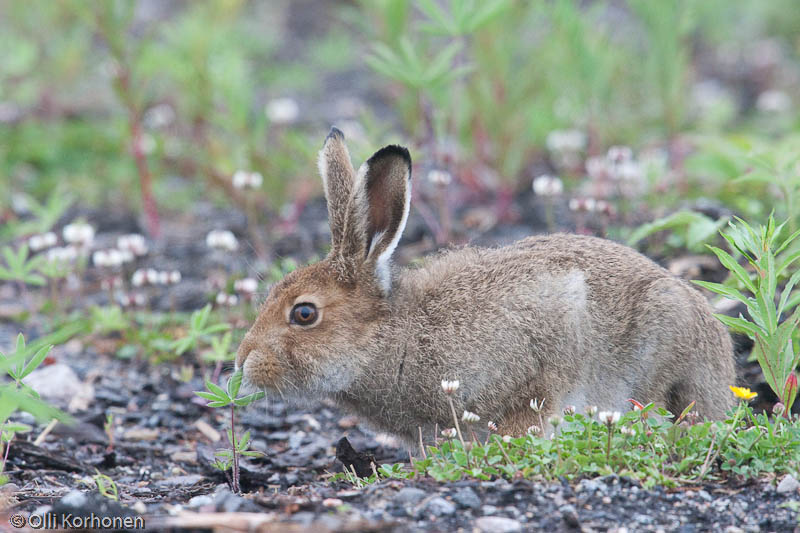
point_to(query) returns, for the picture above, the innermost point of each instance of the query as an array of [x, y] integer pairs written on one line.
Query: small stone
[[184, 457], [409, 496], [466, 497], [181, 481], [606, 500], [139, 507], [202, 500], [489, 509], [704, 495], [438, 506], [74, 498], [733, 529], [140, 434], [570, 515], [497, 524], [788, 484], [332, 502]]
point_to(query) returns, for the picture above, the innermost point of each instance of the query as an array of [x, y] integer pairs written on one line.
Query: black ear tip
[[335, 133], [392, 150]]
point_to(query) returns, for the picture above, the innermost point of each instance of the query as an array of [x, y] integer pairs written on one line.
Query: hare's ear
[[382, 201], [338, 177]]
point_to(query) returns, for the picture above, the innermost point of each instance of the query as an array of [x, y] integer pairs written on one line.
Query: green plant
[[199, 331], [20, 267], [19, 396], [229, 397], [691, 230], [647, 444], [776, 342], [106, 486]]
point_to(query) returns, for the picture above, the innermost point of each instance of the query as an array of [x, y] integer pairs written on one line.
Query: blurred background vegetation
[[153, 105]]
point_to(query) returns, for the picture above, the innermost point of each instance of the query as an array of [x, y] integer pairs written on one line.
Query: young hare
[[571, 319]]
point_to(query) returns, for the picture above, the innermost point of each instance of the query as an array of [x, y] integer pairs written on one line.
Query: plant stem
[[608, 444], [5, 454], [235, 455]]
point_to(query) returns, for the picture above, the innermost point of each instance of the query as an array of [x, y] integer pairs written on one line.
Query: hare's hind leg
[[690, 351]]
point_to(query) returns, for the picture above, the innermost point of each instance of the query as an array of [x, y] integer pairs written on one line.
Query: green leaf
[[739, 325], [724, 290], [731, 264], [208, 395], [216, 389], [234, 384], [36, 360]]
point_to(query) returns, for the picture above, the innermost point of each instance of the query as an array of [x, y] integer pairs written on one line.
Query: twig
[[45, 432], [421, 445]]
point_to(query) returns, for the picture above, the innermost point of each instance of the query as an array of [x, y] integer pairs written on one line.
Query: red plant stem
[[145, 180], [235, 456], [135, 126]]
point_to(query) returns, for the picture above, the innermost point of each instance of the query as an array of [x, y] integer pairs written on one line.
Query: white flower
[[449, 433], [227, 299], [245, 285], [625, 430], [491, 426], [628, 171], [449, 387], [536, 405], [78, 233], [609, 417], [133, 243], [470, 417], [773, 101], [100, 258], [560, 141], [534, 430], [282, 110], [242, 179], [139, 299], [591, 410], [62, 254], [163, 277], [440, 177], [159, 116], [597, 167], [175, 277], [42, 241], [554, 420], [569, 410], [222, 239], [547, 186], [619, 154], [152, 276], [506, 438], [138, 278]]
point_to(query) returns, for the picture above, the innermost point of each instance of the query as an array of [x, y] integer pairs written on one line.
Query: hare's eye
[[304, 314]]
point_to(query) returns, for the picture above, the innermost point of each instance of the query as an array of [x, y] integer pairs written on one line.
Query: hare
[[571, 319]]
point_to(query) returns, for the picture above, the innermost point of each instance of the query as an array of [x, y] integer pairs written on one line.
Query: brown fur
[[572, 319]]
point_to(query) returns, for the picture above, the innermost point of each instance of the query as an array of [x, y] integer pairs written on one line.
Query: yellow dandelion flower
[[743, 392]]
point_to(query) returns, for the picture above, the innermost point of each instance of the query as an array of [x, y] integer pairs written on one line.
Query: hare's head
[[316, 325]]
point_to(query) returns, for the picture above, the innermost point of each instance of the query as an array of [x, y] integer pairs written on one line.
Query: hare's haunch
[[572, 319]]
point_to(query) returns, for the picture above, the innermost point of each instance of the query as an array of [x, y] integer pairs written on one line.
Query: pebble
[[570, 515], [788, 484], [497, 524], [202, 500], [466, 497], [409, 496], [438, 506]]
